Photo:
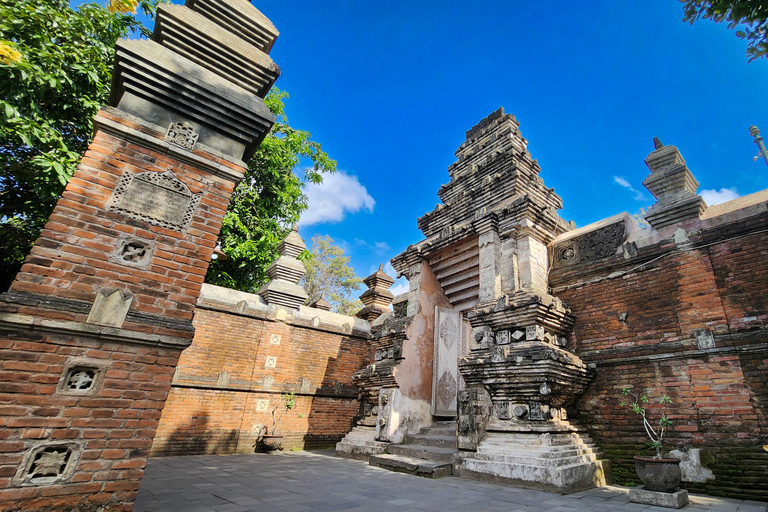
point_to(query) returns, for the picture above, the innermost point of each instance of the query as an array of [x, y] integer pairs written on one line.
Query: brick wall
[[109, 428], [717, 282], [225, 373], [80, 399], [72, 260]]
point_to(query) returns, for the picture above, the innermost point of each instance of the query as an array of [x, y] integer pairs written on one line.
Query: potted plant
[[274, 441], [657, 473]]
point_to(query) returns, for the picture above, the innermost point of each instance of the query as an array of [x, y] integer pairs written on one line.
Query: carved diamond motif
[[446, 389], [449, 331]]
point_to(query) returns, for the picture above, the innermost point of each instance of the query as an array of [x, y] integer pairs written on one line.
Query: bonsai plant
[[656, 473], [274, 441]]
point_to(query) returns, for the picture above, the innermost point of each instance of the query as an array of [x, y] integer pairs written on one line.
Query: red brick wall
[[206, 415], [113, 428], [70, 260], [720, 395], [104, 433]]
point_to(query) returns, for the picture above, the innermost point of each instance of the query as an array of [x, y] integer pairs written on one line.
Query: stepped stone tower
[[674, 187], [92, 328], [478, 294], [285, 273], [377, 297]]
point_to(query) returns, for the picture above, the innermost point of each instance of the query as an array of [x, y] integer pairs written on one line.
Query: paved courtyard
[[320, 481]]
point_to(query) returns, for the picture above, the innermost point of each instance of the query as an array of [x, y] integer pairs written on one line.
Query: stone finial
[[674, 187], [285, 273], [377, 297], [657, 144]]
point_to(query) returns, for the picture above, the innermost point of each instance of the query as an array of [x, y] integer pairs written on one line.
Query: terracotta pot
[[272, 443], [661, 475]]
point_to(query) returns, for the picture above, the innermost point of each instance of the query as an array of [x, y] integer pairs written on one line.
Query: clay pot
[[272, 443], [660, 475]]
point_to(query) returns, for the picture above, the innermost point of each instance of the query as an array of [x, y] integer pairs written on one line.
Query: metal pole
[[753, 131]]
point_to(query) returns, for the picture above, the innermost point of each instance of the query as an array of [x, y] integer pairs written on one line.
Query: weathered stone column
[[92, 327], [490, 259]]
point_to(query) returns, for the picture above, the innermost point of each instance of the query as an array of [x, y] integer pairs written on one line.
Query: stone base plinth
[[360, 444], [677, 499], [555, 462]]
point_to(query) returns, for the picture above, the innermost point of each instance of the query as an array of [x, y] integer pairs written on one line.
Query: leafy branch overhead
[[267, 202], [750, 16], [55, 73]]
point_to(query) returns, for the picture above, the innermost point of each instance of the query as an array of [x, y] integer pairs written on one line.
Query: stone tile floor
[[320, 481]]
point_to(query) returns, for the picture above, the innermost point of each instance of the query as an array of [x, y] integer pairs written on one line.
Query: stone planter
[[272, 443], [660, 475]]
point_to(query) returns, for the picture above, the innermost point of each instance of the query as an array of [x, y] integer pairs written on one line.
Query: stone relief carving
[[384, 411], [590, 246], [182, 135], [158, 198], [474, 414]]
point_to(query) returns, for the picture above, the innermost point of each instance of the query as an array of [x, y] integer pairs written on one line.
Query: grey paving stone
[[320, 482]]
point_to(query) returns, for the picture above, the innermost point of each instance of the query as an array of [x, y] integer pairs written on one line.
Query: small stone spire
[[674, 187], [377, 297], [285, 273], [321, 303]]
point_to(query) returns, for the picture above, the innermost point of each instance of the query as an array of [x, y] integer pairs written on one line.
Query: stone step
[[413, 466], [499, 445], [438, 441], [534, 461], [423, 452], [532, 440], [438, 431]]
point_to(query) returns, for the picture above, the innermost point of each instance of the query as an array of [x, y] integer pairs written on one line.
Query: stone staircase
[[563, 462], [429, 453]]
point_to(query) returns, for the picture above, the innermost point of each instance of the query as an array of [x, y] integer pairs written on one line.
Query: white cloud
[[380, 248], [331, 200], [624, 183], [400, 286], [713, 197]]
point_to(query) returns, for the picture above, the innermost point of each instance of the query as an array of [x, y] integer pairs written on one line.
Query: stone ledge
[[156, 143], [676, 499], [38, 325], [217, 298]]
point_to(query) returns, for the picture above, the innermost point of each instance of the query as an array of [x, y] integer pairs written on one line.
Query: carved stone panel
[[445, 383], [158, 198], [590, 246]]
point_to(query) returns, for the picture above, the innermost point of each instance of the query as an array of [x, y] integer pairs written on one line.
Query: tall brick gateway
[[92, 328]]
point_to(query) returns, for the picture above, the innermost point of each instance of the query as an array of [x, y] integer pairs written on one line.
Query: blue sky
[[389, 88]]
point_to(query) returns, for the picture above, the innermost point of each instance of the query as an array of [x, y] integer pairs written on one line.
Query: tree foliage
[[330, 277], [267, 202], [55, 73], [750, 15]]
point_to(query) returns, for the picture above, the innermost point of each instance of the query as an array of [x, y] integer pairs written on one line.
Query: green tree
[[750, 15], [55, 73], [329, 276], [267, 202]]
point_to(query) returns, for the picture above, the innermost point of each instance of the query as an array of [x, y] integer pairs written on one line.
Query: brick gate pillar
[[92, 327]]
